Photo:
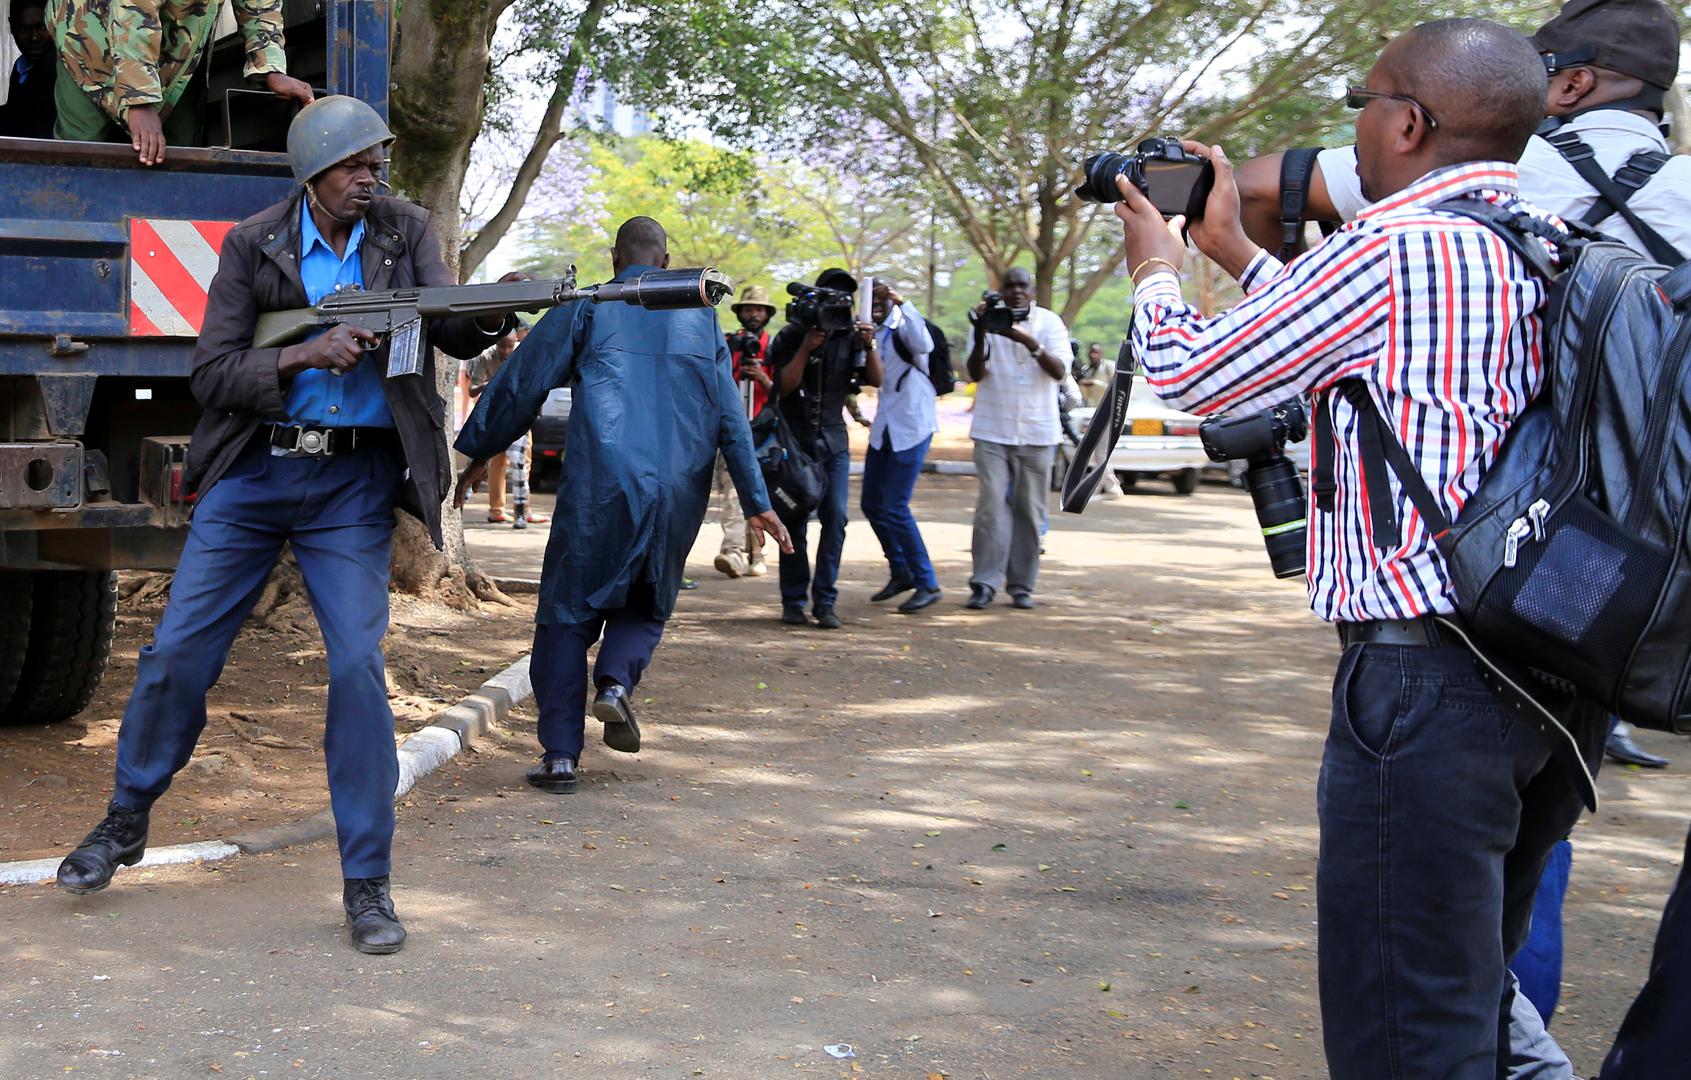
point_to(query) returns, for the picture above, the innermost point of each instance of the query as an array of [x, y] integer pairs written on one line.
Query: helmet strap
[[317, 204]]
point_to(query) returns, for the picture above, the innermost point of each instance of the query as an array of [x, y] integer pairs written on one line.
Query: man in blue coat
[[652, 402]]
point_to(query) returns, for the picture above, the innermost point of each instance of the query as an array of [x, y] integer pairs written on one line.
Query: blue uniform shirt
[[317, 397]]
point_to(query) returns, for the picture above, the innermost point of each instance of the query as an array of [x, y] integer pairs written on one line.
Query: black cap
[[1633, 37], [835, 278]]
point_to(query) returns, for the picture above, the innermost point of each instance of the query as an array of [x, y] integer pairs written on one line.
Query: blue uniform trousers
[[337, 513], [889, 479], [627, 637]]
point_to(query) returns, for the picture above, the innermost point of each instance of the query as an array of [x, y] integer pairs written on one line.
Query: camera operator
[[1094, 375], [1017, 358], [816, 370], [1437, 806], [747, 349], [904, 425]]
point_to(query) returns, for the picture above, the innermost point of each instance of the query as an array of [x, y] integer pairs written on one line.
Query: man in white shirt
[[904, 425], [1017, 371]]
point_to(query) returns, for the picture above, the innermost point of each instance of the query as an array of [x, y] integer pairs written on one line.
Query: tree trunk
[[440, 62]]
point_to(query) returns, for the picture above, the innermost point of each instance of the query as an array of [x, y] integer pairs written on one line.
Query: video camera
[[1176, 182], [1270, 476], [745, 344], [998, 316], [818, 308]]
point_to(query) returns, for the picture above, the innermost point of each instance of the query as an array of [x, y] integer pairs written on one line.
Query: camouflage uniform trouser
[[79, 118]]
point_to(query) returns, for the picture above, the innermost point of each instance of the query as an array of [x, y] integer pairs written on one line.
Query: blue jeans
[[1437, 810], [1653, 1039], [337, 515], [558, 669], [889, 479], [1538, 965], [796, 578]]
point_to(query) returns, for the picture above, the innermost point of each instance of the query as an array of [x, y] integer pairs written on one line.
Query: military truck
[[104, 267]]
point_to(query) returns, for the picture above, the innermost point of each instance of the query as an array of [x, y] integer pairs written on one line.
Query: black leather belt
[[1422, 633], [295, 440]]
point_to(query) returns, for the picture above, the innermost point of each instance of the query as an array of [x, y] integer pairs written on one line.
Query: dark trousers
[[1654, 1040], [796, 578], [627, 637], [337, 514], [1437, 812], [889, 479]]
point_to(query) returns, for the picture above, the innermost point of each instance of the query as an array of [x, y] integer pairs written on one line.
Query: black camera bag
[[1570, 559], [795, 479], [940, 371]]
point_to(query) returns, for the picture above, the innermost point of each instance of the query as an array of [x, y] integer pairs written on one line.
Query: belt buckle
[[308, 442]]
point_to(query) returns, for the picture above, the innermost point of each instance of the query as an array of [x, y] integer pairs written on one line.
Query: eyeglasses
[[1356, 97]]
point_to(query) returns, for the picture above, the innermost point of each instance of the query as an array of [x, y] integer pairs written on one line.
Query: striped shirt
[[1437, 318]]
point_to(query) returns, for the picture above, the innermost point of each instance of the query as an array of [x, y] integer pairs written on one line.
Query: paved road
[[1077, 842]]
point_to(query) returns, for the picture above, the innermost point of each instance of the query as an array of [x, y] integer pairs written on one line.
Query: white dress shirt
[[904, 405], [1550, 183], [1016, 403]]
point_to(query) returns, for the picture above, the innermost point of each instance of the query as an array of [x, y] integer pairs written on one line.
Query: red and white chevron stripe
[[171, 264]]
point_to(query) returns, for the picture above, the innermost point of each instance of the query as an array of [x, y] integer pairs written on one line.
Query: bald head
[[1483, 81], [640, 241]]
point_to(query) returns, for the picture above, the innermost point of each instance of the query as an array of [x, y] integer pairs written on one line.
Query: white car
[[1156, 441]]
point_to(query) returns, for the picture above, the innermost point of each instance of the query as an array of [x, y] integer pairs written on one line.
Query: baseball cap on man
[[1632, 37], [835, 278]]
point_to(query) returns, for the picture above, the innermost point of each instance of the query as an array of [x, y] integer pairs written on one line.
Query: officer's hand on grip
[[340, 347]]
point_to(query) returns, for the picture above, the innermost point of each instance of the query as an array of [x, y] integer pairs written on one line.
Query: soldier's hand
[[767, 524], [286, 86], [341, 347], [146, 133]]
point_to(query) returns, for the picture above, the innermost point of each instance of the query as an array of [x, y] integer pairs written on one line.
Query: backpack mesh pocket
[[1579, 596]]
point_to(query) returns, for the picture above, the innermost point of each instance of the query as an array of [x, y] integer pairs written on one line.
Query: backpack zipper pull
[[1536, 513], [1519, 530]]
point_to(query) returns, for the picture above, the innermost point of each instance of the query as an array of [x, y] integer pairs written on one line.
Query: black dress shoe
[[554, 774], [611, 709], [119, 840], [826, 619], [1022, 600], [370, 918], [793, 615], [892, 589], [979, 597], [922, 598], [1621, 748]]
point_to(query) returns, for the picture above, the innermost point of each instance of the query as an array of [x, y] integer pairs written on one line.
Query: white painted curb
[[422, 752]]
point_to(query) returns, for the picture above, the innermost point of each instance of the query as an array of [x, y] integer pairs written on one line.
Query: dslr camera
[[745, 344], [816, 308], [998, 316], [1175, 181], [1270, 476]]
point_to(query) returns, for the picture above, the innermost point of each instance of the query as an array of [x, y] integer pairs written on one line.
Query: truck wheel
[[15, 599], [1186, 481], [70, 636]]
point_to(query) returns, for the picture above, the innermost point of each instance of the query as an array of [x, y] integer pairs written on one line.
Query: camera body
[[1173, 179], [745, 344], [1270, 476], [998, 316], [816, 308]]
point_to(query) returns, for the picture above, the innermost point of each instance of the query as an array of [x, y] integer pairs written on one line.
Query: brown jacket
[[238, 385]]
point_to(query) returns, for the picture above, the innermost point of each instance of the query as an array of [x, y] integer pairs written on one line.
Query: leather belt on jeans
[[296, 440], [1422, 633]]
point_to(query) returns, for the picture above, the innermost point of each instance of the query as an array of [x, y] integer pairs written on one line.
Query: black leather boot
[[119, 840], [370, 917]]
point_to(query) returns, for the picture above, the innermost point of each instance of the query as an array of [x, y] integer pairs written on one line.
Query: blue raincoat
[[652, 401]]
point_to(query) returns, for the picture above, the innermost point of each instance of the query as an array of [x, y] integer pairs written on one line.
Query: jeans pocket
[[1368, 699]]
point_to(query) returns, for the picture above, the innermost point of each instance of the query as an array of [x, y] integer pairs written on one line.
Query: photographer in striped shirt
[[1436, 811]]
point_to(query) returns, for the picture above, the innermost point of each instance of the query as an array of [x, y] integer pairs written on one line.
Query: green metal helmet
[[332, 129]]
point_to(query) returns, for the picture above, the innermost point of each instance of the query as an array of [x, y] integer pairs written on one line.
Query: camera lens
[[1278, 493], [1101, 171]]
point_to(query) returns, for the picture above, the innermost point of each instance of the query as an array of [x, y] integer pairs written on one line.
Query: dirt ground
[[1074, 842], [260, 761]]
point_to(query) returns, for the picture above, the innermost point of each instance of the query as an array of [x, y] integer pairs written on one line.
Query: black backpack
[[1570, 559], [794, 478], [940, 372]]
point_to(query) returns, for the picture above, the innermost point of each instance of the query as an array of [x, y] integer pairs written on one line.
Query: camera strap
[[1381, 455], [1297, 169], [1614, 192], [1092, 456]]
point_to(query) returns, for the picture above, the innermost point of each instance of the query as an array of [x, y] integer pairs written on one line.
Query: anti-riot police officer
[[309, 445]]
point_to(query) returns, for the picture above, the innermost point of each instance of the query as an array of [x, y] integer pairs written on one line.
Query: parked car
[[1157, 441], [548, 439]]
